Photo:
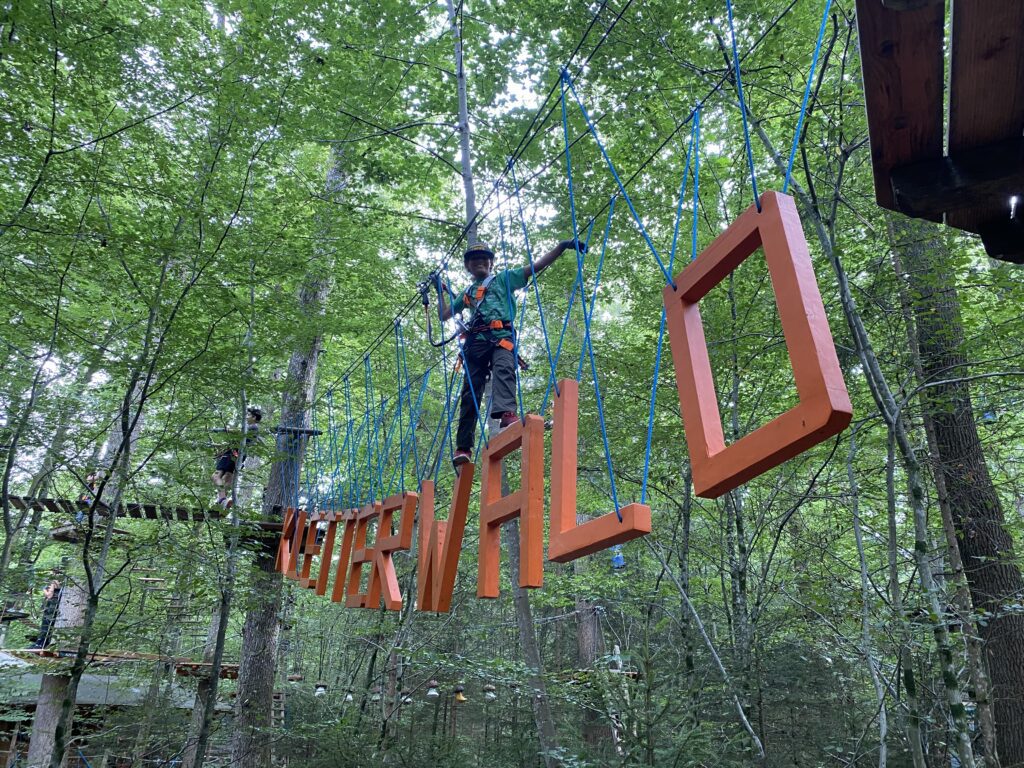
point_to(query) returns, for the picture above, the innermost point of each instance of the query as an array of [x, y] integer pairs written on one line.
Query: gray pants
[[485, 359]]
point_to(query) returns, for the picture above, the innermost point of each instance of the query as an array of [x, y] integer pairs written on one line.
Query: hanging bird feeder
[[459, 695], [490, 693], [406, 696], [432, 689], [375, 694], [320, 689], [349, 697]]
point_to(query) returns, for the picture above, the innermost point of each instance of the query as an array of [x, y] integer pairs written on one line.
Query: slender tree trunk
[[536, 688], [203, 690], [865, 619], [589, 649], [890, 413], [463, 127], [977, 513], [252, 738]]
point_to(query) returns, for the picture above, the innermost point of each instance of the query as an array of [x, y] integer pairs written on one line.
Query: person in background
[[228, 458], [51, 602]]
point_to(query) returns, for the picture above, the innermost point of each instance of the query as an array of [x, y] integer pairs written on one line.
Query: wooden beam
[[986, 88], [1004, 240], [908, 5], [903, 69], [986, 177]]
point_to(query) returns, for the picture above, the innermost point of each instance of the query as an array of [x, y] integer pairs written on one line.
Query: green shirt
[[499, 302]]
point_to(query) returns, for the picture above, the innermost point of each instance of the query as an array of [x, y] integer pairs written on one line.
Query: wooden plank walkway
[[138, 511], [972, 177]]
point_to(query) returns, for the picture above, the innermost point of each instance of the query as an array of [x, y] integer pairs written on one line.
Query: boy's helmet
[[478, 251]]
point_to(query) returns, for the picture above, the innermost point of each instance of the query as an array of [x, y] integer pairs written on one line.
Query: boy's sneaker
[[460, 458], [508, 418]]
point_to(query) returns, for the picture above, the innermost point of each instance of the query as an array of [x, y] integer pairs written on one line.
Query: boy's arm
[[548, 258]]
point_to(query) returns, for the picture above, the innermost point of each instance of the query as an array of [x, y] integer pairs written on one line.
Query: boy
[[489, 344], [224, 471]]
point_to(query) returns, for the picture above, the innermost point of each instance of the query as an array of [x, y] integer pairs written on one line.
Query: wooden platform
[[182, 666], [970, 174], [138, 511]]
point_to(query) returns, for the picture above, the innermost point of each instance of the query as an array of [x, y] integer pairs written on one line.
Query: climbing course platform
[[967, 172], [139, 511]]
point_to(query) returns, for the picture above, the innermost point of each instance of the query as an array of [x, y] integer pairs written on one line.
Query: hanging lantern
[[490, 693], [459, 696], [406, 696], [320, 689], [432, 689], [375, 695], [618, 559]]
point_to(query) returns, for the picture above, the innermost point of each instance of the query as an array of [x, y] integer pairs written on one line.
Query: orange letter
[[349, 516], [360, 554], [824, 409], [567, 540], [383, 580], [309, 550], [327, 553], [527, 503], [441, 544], [284, 544]]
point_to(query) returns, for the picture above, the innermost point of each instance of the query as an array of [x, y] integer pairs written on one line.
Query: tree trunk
[[203, 690], [589, 649], [986, 547], [464, 134], [889, 410], [48, 704], [252, 738], [535, 685]]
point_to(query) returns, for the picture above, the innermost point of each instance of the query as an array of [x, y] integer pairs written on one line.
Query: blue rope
[[615, 174], [588, 314], [743, 105], [533, 277], [401, 389], [515, 334], [661, 329], [597, 393], [446, 438], [369, 406], [807, 97], [440, 422], [576, 286], [350, 440]]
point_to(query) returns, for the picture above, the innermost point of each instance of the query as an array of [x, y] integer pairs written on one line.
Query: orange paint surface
[[383, 580], [361, 554], [440, 544], [824, 408], [567, 540], [527, 503]]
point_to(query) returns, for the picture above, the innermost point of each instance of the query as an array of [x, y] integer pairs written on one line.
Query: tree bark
[[252, 738], [589, 649], [536, 688], [463, 127], [984, 543]]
